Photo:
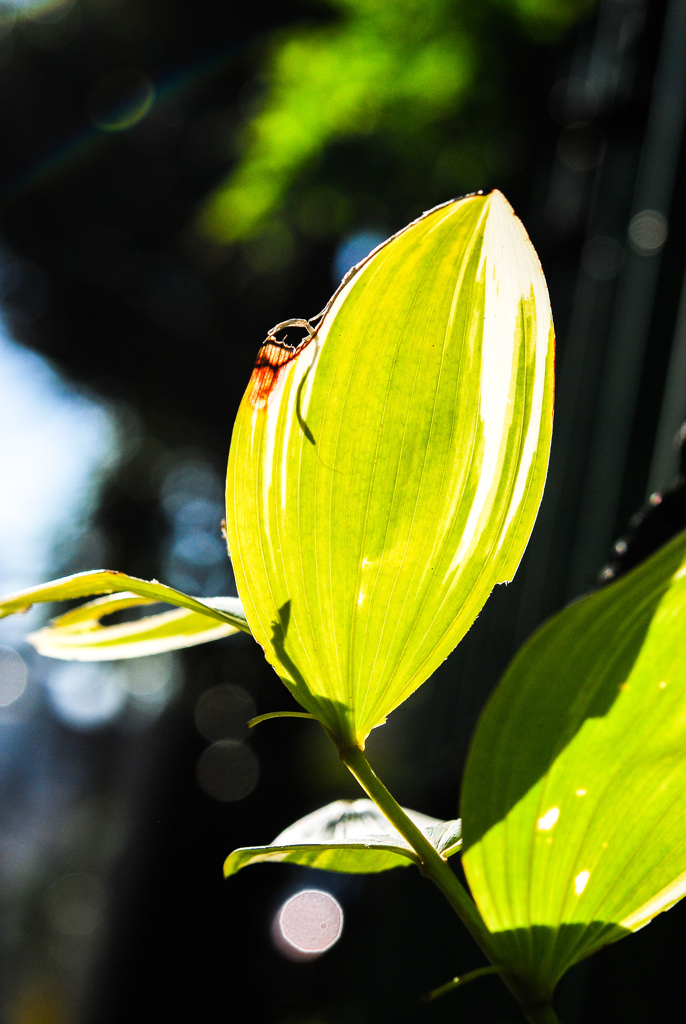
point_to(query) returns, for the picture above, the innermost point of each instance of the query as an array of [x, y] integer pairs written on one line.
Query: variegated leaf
[[385, 473], [78, 635]]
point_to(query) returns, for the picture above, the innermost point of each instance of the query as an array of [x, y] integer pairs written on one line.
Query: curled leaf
[[79, 635]]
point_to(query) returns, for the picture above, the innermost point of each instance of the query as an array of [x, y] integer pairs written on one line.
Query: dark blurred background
[[175, 178]]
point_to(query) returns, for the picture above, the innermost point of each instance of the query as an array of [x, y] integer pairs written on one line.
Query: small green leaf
[[351, 836], [385, 473], [446, 837], [78, 635], [574, 797]]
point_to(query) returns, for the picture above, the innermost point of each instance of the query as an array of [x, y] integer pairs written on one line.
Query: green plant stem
[[542, 1014], [439, 871], [433, 865], [464, 979]]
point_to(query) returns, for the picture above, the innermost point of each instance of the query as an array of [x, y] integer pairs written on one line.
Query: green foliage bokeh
[[398, 77]]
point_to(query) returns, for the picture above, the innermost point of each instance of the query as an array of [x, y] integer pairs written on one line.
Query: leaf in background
[[348, 835], [395, 74], [78, 634], [386, 473], [574, 797]]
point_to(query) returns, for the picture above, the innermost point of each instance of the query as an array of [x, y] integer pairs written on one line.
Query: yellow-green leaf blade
[[377, 854], [574, 798], [386, 474], [350, 836], [106, 581], [79, 636]]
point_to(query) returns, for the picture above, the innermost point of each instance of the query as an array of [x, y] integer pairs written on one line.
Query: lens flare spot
[[75, 905], [227, 770], [648, 232], [85, 695], [13, 676], [223, 712], [548, 820], [120, 100], [308, 924], [581, 792], [581, 881]]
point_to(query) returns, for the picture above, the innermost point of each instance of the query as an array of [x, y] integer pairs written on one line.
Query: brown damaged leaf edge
[[275, 355], [272, 358]]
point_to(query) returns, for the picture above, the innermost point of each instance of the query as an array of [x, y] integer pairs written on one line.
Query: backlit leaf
[[385, 474], [574, 799], [78, 634], [351, 836]]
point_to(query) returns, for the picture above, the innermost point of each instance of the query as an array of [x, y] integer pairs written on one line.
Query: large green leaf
[[78, 634], [348, 835], [386, 473], [574, 799]]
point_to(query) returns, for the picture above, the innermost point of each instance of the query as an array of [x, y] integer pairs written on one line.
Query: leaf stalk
[[279, 714], [464, 979], [436, 867]]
